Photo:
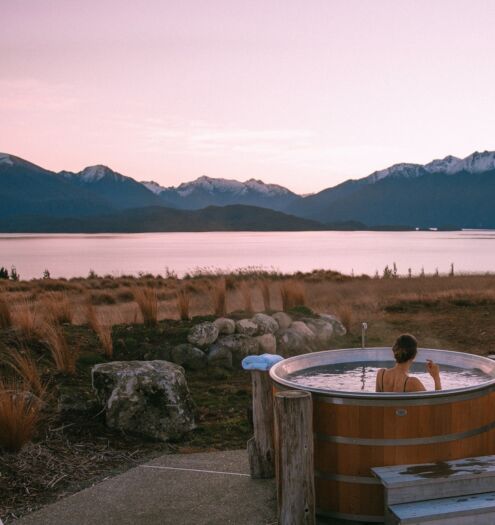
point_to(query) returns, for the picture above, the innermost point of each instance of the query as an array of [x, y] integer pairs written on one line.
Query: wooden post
[[260, 447], [294, 458]]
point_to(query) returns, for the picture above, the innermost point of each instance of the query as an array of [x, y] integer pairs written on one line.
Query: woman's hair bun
[[405, 348]]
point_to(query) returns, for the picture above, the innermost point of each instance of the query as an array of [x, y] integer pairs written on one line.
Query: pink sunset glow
[[304, 94]]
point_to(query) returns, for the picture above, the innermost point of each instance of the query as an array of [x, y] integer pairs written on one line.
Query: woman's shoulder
[[414, 384]]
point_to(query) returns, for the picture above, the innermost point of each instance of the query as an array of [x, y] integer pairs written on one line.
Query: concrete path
[[203, 489]]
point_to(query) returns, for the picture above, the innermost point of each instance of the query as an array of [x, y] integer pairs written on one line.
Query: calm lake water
[[359, 252]]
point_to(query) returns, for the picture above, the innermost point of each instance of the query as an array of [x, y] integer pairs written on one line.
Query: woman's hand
[[432, 368]]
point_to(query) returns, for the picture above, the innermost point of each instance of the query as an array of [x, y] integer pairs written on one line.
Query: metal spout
[[364, 329]]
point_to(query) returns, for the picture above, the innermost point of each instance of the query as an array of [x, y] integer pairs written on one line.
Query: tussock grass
[[346, 316], [19, 415], [5, 316], [147, 301], [104, 333], [183, 301], [220, 298], [265, 294], [247, 300], [57, 308], [25, 319], [293, 294], [24, 365], [64, 357]]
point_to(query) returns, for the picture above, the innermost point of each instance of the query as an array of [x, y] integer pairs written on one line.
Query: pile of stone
[[224, 342]]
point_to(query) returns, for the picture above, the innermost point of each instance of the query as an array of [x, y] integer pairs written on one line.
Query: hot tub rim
[[382, 396]]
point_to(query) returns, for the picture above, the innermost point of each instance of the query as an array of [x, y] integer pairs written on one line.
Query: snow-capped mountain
[[206, 191]]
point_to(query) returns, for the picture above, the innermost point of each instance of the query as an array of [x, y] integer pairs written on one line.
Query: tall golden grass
[[25, 319], [57, 308], [91, 317], [265, 294], [346, 316], [64, 357], [19, 415], [5, 316], [102, 330], [147, 301], [293, 294], [247, 300], [182, 302], [22, 362], [220, 298]]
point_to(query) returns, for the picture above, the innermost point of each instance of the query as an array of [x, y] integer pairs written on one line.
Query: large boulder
[[225, 326], [188, 356], [304, 330], [267, 344], [321, 328], [150, 398], [291, 343], [266, 324], [338, 327], [203, 334], [238, 345], [283, 320], [246, 327]]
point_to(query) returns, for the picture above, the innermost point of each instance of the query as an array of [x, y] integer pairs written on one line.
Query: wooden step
[[409, 483], [469, 510]]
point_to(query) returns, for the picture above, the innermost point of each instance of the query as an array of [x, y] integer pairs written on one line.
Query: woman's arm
[[434, 370], [414, 385]]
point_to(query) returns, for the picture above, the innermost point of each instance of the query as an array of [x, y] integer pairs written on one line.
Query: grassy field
[[53, 331]]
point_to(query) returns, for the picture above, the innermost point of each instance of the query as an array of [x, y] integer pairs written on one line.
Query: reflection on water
[[359, 252], [361, 376]]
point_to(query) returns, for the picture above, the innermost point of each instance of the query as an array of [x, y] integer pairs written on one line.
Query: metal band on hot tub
[[361, 518], [374, 442]]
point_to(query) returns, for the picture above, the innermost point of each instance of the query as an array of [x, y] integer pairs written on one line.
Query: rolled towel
[[260, 362]]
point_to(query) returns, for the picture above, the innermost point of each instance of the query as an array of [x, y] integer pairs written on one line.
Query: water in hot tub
[[361, 376]]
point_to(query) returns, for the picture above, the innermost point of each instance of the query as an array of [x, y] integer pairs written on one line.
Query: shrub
[[183, 304], [63, 356], [19, 415], [5, 317], [220, 298], [293, 294], [102, 298], [147, 302]]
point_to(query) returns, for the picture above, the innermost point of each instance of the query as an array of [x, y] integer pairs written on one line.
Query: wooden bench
[[439, 492]]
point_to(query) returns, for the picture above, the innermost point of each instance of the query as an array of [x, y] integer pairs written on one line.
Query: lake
[[359, 252]]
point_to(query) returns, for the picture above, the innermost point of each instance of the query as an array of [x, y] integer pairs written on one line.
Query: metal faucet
[[364, 329]]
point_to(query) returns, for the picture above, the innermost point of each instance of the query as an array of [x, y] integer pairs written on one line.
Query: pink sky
[[304, 94]]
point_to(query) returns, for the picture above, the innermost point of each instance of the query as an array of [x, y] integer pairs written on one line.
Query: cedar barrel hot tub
[[357, 430]]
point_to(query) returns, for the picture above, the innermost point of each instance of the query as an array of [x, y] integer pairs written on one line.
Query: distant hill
[[206, 191], [449, 192], [161, 219]]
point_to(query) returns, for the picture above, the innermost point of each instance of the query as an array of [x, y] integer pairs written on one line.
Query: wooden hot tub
[[355, 431]]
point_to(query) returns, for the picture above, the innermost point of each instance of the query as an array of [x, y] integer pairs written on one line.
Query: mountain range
[[449, 192]]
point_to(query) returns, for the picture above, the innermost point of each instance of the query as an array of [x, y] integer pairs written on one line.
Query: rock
[[267, 344], [246, 327], [224, 325], [322, 329], [283, 320], [338, 327], [239, 345], [150, 398], [220, 356], [203, 334], [266, 324], [189, 357], [291, 343], [304, 330]]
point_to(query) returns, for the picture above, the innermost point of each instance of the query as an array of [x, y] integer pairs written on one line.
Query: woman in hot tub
[[397, 379]]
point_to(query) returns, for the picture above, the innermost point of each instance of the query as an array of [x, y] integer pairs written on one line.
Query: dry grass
[[91, 316], [293, 294], [247, 300], [57, 308], [183, 301], [265, 294], [5, 317], [104, 333], [220, 298], [64, 357], [346, 315], [25, 366], [147, 301], [25, 319], [19, 415]]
